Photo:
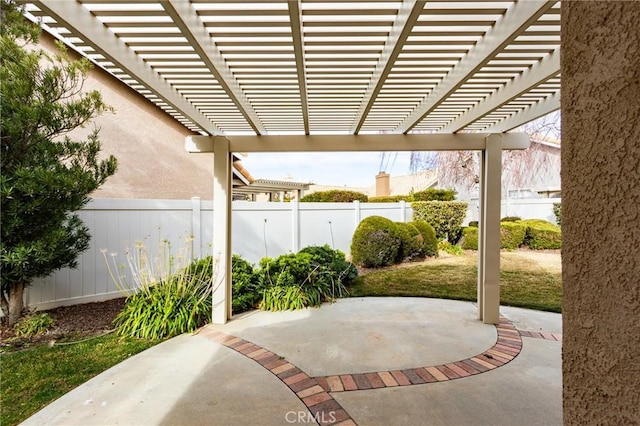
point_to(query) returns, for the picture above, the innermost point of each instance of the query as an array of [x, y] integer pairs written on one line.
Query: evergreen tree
[[46, 174]]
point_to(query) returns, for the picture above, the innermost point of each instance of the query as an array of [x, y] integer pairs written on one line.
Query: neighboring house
[[385, 184], [532, 173]]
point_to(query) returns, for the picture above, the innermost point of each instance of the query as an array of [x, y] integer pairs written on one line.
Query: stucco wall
[[149, 146], [601, 211]]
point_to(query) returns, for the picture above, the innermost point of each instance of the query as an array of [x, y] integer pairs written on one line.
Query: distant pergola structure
[[327, 76]]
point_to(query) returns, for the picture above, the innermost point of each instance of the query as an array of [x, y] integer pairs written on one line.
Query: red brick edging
[[506, 348], [314, 392], [325, 409]]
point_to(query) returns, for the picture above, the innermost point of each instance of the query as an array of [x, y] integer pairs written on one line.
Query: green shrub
[[469, 238], [429, 240], [244, 281], [445, 216], [447, 247], [375, 242], [542, 235], [33, 324], [512, 235], [433, 194], [473, 223], [294, 281], [334, 261], [510, 219], [557, 211], [334, 196], [173, 305], [410, 242], [390, 199]]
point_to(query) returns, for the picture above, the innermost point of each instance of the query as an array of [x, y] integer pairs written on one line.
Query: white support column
[[490, 229], [481, 230], [222, 231]]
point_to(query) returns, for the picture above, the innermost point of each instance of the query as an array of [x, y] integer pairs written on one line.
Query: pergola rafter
[[512, 24], [191, 27], [295, 17], [538, 73], [408, 15], [80, 21]]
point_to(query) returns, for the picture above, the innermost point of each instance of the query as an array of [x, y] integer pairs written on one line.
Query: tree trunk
[[16, 292]]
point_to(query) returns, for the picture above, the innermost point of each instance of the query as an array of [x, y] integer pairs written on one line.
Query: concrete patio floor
[[365, 361]]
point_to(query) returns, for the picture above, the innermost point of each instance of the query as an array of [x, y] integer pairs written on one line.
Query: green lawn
[[33, 378], [524, 281]]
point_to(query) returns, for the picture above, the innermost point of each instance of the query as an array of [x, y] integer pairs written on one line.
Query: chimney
[[382, 184]]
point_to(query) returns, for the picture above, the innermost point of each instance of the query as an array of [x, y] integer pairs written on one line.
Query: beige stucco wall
[[149, 146], [601, 212]]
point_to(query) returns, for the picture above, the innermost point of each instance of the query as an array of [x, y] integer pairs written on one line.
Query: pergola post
[[489, 231], [222, 197]]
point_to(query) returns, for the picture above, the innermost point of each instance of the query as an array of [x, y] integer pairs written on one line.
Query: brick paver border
[[315, 392]]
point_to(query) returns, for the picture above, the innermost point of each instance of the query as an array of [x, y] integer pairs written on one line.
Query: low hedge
[[542, 235], [445, 216], [429, 240], [512, 236], [334, 196], [376, 242], [390, 199], [433, 194]]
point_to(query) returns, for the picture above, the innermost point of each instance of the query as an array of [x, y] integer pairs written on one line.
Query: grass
[[33, 378], [523, 282]]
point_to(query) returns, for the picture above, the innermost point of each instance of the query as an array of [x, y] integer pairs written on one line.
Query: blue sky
[[343, 169]]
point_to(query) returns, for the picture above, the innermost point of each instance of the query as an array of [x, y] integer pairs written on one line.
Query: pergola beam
[[192, 28], [348, 143], [408, 15], [540, 72], [295, 19], [78, 19], [540, 109], [513, 23]]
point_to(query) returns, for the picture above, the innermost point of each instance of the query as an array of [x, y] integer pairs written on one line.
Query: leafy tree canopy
[[47, 175]]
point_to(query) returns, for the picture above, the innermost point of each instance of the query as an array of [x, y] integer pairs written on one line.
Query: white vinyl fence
[[259, 229]]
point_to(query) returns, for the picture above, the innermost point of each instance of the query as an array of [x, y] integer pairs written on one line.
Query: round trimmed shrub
[[542, 235], [510, 219], [411, 242], [469, 238], [375, 242], [512, 235], [429, 240]]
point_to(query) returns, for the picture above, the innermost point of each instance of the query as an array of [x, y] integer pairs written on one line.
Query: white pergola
[[317, 75]]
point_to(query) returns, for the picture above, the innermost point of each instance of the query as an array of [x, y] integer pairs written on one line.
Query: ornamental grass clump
[[171, 295]]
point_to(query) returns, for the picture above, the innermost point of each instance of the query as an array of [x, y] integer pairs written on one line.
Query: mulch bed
[[87, 319]]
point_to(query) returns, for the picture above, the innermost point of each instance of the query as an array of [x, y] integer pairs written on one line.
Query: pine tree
[[46, 175]]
